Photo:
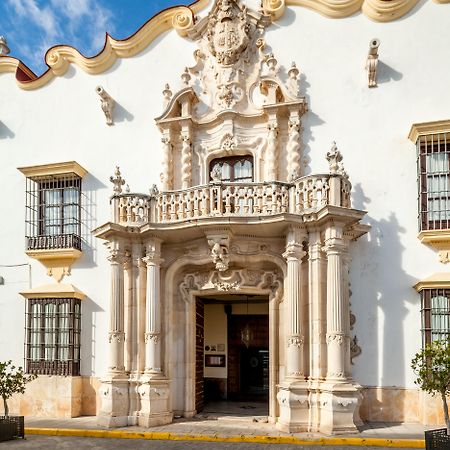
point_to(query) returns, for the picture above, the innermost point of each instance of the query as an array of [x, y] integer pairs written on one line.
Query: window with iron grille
[[435, 315], [52, 345], [53, 210], [433, 156]]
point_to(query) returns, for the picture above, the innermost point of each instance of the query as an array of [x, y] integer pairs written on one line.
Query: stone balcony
[[226, 200]]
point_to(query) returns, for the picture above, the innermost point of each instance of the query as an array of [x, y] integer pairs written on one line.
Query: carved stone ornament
[[372, 63], [117, 181], [4, 49], [228, 30], [116, 336], [338, 338], [355, 349], [107, 103], [296, 341], [235, 280], [152, 337], [334, 158], [219, 252]]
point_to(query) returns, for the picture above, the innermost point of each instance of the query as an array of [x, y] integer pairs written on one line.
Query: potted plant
[[432, 367], [12, 381]]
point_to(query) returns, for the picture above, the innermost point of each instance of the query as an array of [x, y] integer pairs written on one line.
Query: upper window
[[238, 169], [53, 206], [53, 336], [435, 315], [433, 157]]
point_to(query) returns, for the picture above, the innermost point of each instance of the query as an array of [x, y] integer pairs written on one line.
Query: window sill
[[58, 261]]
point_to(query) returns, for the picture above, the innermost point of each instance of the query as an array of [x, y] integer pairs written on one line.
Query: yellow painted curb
[[121, 434]]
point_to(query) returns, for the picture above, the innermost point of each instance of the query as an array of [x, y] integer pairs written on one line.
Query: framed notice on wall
[[215, 360]]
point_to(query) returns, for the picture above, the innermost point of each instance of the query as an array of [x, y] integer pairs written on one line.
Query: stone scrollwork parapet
[[183, 21], [274, 8]]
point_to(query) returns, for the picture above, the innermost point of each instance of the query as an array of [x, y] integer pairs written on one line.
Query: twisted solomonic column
[[166, 174], [186, 161], [271, 152], [293, 149], [295, 339]]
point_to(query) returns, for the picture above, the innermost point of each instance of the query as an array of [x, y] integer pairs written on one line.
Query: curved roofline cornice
[[181, 18]]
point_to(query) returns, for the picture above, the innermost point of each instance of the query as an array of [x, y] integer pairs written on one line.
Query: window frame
[[429, 312], [234, 160], [427, 146], [66, 352]]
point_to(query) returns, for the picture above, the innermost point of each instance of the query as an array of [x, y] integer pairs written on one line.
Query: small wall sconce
[[372, 62], [107, 104]]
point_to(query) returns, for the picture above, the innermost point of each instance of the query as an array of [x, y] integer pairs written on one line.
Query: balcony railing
[[217, 199], [57, 241]]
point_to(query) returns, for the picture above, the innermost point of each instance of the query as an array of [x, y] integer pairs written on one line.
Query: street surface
[[80, 443]]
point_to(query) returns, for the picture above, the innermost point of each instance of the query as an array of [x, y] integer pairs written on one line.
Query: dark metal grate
[[18, 422], [433, 168], [53, 210], [437, 439], [435, 315], [53, 327]]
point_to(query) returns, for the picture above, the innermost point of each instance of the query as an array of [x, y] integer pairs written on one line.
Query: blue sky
[[31, 27]]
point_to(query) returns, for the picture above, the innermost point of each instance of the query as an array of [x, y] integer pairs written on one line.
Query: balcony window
[[238, 169], [435, 314], [53, 206], [53, 328], [433, 156]]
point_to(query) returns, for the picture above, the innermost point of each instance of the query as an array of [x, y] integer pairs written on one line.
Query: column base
[[114, 398], [294, 407], [339, 407], [155, 402]]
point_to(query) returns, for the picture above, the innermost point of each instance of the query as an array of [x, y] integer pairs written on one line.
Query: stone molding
[[181, 19]]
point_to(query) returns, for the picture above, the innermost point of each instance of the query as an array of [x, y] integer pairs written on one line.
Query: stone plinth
[[114, 399], [294, 407], [339, 407], [155, 402]]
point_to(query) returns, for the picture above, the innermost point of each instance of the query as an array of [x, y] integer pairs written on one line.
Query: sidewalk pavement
[[233, 429]]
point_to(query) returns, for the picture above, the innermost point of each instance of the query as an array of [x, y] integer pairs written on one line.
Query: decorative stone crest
[[227, 31], [334, 158], [107, 103]]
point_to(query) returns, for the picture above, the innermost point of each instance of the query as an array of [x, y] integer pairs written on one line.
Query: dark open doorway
[[235, 356]]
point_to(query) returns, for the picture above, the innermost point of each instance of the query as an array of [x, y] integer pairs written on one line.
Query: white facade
[[62, 120]]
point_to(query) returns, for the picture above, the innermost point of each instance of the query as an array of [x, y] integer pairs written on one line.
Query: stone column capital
[[294, 252], [335, 246]]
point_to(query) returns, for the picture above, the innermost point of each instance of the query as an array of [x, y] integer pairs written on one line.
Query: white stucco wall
[[63, 121]]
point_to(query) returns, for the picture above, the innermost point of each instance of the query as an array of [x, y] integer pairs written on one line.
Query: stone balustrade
[[217, 199]]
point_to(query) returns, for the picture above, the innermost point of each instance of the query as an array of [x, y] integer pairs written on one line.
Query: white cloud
[[80, 23]]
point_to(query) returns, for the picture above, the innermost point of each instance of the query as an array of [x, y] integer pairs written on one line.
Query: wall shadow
[[386, 73], [381, 306], [89, 221], [120, 114], [5, 132], [89, 338]]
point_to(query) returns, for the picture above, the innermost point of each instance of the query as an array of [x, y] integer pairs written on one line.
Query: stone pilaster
[[292, 393], [272, 151], [340, 396], [114, 387], [154, 389]]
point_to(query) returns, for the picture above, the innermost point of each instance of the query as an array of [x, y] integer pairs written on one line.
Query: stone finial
[[167, 93], [107, 104], [186, 77], [117, 181], [293, 72], [272, 62], [4, 49], [153, 191], [334, 158], [372, 62]]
